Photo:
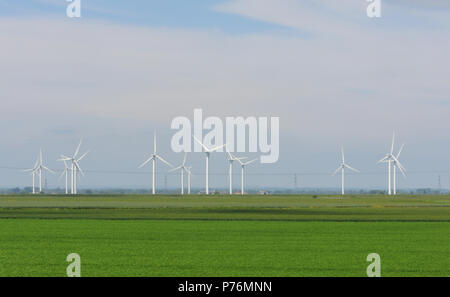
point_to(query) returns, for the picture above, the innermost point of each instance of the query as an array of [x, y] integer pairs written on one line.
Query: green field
[[225, 236]]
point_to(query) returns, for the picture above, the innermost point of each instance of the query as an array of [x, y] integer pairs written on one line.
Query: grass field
[[225, 236]]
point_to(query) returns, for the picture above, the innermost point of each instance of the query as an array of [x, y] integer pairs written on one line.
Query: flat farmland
[[225, 236]]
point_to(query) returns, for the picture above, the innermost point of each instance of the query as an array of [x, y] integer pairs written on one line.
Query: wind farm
[[72, 170]]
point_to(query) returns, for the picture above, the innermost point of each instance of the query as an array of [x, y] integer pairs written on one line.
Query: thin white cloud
[[338, 17], [323, 16], [379, 80]]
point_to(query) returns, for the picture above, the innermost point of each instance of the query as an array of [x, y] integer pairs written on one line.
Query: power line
[[295, 174]]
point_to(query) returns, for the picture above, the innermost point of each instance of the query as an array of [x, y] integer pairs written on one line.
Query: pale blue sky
[[330, 73], [197, 14]]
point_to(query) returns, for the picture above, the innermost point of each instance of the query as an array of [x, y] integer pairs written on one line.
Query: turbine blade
[[154, 142], [230, 156], [78, 167], [402, 171], [342, 153], [174, 169], [47, 169], [249, 162], [164, 161], [383, 160], [351, 168], [337, 170], [400, 166], [240, 161], [393, 141], [64, 158], [188, 170], [400, 151], [77, 150], [195, 138], [84, 155], [217, 148], [184, 160], [146, 162]]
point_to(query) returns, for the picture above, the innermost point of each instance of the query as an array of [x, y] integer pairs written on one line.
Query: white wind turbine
[[402, 169], [243, 164], [40, 168], [208, 151], [75, 167], [231, 159], [182, 169], [66, 174], [33, 172], [153, 158], [391, 158], [341, 168]]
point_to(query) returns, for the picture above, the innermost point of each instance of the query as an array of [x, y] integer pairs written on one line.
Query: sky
[[125, 68]]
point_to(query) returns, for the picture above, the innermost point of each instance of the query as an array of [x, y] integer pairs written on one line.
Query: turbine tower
[[402, 169], [208, 151], [65, 173], [341, 168], [33, 172], [231, 159], [390, 158], [75, 167], [40, 168], [189, 179], [153, 159], [243, 164], [182, 169]]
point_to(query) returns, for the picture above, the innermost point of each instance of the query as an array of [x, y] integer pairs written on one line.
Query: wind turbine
[[40, 168], [75, 167], [183, 168], [153, 158], [390, 158], [33, 172], [402, 169], [243, 164], [341, 168], [231, 159], [208, 151], [66, 173]]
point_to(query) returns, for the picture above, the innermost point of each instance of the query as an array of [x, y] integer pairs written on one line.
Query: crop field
[[139, 235]]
